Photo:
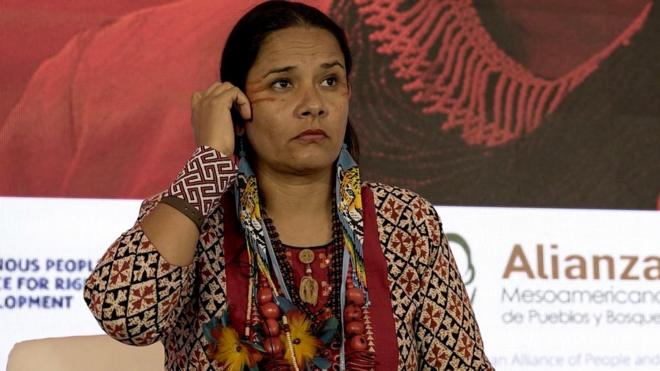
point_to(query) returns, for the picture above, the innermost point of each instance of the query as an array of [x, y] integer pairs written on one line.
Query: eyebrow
[[332, 64], [326, 66]]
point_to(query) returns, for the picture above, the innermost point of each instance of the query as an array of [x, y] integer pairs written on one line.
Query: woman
[[284, 261]]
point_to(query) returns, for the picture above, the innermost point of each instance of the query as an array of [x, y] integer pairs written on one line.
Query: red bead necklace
[[358, 356]]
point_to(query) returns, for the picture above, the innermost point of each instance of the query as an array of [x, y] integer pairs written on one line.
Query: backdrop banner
[[553, 289], [535, 124], [559, 289], [470, 103]]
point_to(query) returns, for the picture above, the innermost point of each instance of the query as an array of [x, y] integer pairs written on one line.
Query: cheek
[[262, 100], [265, 106], [340, 100], [257, 133], [341, 117], [263, 131], [263, 109]]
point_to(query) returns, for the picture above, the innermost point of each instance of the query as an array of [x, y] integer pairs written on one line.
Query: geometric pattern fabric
[[139, 298]]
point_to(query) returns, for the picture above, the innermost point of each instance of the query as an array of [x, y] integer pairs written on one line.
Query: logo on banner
[[544, 263], [463, 257]]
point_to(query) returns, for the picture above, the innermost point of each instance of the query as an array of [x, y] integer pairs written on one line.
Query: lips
[[312, 135]]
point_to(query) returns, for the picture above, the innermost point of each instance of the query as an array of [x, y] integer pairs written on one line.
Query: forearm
[[145, 278], [174, 226], [174, 235]]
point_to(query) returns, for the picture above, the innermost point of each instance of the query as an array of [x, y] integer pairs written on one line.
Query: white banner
[[562, 289], [47, 249], [552, 289]]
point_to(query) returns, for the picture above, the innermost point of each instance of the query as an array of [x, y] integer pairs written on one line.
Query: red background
[[95, 103]]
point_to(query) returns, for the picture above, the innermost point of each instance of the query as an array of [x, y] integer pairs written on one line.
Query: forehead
[[298, 45]]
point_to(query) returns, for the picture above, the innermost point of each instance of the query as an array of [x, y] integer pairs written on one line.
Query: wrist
[[223, 148], [201, 183]]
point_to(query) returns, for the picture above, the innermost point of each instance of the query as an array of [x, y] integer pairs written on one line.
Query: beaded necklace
[[334, 303], [281, 329]]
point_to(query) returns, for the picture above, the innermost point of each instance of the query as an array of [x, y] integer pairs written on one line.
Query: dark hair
[[245, 39]]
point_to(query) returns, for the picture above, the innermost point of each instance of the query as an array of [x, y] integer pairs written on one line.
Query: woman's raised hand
[[211, 115]]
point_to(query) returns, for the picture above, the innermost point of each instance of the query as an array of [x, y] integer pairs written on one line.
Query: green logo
[[463, 257]]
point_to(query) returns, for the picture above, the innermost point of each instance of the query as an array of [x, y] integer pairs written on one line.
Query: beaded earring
[[241, 149]]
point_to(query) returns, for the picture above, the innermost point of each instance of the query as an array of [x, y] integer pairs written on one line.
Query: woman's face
[[299, 93]]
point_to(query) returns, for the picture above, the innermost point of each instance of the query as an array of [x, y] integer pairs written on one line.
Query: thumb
[[195, 98]]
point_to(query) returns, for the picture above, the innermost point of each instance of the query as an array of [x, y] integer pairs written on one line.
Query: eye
[[329, 81], [281, 84]]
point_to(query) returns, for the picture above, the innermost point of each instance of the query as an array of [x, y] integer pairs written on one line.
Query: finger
[[232, 97], [195, 98], [218, 89], [211, 88], [243, 104]]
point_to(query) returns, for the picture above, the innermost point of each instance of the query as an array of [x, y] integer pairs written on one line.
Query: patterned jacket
[[139, 298]]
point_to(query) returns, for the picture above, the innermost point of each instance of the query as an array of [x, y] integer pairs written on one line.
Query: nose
[[312, 104]]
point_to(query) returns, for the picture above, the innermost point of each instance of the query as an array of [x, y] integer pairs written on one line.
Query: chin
[[312, 164], [309, 167]]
